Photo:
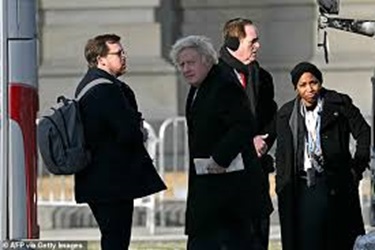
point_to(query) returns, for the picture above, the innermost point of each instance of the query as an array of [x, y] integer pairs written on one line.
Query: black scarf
[[233, 62], [251, 72]]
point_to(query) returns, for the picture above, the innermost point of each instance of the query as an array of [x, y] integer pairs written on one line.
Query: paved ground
[[92, 234], [138, 234], [60, 219]]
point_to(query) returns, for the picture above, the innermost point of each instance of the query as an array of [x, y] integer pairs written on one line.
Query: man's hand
[[214, 168], [260, 144]]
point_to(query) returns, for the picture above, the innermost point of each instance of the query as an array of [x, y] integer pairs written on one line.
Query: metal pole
[[4, 120], [372, 166]]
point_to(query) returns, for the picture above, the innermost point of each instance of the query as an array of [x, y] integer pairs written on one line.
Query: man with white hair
[[225, 184]]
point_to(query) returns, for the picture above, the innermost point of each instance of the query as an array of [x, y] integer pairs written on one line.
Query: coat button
[[336, 113], [332, 192]]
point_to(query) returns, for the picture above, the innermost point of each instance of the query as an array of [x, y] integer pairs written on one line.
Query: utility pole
[[19, 106]]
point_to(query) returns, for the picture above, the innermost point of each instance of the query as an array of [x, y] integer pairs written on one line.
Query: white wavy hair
[[201, 44]]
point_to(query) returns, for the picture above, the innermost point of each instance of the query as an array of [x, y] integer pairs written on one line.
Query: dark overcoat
[[121, 168], [260, 93], [260, 82], [339, 119], [219, 125]]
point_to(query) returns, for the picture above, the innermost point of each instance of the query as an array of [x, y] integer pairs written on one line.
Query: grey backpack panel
[[61, 138]]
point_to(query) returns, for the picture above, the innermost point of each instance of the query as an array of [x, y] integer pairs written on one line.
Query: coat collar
[[233, 62], [332, 103], [95, 73], [195, 94], [251, 72]]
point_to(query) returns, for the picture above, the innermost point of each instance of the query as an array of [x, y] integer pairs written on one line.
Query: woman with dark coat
[[317, 176]]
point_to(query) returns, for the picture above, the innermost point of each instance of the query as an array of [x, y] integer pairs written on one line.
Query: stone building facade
[[288, 34]]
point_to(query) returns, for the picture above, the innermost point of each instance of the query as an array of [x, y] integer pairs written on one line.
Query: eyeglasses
[[118, 53], [255, 40]]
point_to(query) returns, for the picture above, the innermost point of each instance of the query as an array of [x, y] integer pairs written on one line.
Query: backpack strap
[[91, 85]]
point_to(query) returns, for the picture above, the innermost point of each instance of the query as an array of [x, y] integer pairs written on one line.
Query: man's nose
[[185, 68], [257, 44]]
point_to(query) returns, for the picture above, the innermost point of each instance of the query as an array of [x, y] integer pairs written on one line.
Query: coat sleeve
[[113, 110], [361, 132], [268, 107], [234, 113], [283, 165]]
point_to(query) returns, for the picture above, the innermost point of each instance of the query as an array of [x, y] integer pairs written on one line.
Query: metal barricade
[[173, 161], [56, 190], [170, 151]]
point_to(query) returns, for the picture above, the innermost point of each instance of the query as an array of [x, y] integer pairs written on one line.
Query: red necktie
[[243, 79]]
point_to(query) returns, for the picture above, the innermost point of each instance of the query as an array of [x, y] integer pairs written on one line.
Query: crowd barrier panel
[[56, 190], [173, 161], [168, 148]]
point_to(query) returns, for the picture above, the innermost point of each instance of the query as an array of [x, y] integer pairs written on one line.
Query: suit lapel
[[199, 96], [254, 75], [249, 90], [189, 101]]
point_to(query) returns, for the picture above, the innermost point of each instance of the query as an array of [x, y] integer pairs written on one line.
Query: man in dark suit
[[120, 169], [238, 61], [225, 188]]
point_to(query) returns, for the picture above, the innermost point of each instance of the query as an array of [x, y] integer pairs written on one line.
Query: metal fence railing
[[56, 190], [173, 161], [169, 149]]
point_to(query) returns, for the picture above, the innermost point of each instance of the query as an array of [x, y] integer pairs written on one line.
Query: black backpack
[[61, 137]]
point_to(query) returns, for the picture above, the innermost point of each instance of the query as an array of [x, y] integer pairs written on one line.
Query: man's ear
[[100, 61]]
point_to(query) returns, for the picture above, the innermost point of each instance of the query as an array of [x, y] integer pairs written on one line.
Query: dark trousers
[[115, 220], [262, 232], [253, 238], [313, 215]]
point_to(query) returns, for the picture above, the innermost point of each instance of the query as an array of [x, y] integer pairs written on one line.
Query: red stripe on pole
[[23, 106]]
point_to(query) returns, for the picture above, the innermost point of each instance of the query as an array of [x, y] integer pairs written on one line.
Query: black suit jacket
[[121, 167], [219, 125]]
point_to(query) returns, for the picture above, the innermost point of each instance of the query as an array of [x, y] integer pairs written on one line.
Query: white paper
[[201, 165]]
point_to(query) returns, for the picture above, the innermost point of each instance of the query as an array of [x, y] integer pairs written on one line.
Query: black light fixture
[[328, 8]]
